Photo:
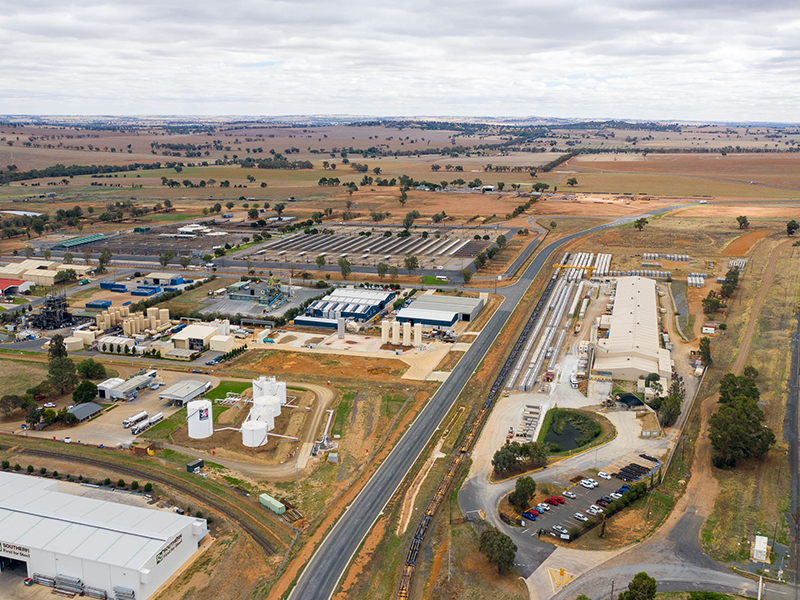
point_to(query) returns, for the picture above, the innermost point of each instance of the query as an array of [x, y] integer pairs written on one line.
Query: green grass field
[[16, 376], [224, 387]]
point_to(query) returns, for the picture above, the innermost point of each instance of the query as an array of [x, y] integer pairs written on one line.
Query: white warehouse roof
[[35, 515], [187, 389], [633, 338]]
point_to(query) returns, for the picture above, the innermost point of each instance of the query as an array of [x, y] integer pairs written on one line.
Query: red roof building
[[9, 285]]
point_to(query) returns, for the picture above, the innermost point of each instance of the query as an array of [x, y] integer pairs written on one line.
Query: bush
[[30, 468], [148, 487], [17, 467], [121, 483], [42, 471], [6, 465], [55, 474], [134, 485], [107, 481]]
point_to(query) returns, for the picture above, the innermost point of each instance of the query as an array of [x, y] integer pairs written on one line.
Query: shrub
[[148, 487], [55, 474], [134, 485], [121, 483], [17, 467], [6, 465], [107, 481], [30, 468], [42, 471]]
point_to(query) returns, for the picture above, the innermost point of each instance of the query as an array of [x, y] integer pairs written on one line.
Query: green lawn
[[342, 414], [219, 392], [431, 280]]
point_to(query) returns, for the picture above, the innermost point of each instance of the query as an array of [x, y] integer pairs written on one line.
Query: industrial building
[[85, 411], [632, 348], [162, 278], [92, 547], [41, 272], [430, 319], [198, 335], [184, 391], [80, 241], [13, 286], [351, 303], [467, 308], [120, 389]]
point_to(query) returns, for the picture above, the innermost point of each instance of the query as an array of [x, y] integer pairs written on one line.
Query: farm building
[[430, 319], [13, 286], [184, 391], [632, 347], [85, 411], [162, 278], [350, 303], [93, 545], [194, 337], [467, 308]]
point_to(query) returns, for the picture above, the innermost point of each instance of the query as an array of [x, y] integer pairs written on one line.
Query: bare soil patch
[[741, 245], [449, 361]]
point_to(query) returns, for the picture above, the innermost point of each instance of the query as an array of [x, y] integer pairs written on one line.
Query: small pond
[[567, 440]]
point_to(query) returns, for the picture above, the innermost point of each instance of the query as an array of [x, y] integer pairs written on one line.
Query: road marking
[[560, 576]]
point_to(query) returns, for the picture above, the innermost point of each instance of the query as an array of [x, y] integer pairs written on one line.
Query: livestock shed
[[430, 319], [97, 546], [184, 391], [85, 411], [467, 308], [162, 278], [351, 303]]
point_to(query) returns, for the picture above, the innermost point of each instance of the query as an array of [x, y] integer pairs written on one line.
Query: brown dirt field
[[741, 245], [449, 361], [753, 210], [319, 367]]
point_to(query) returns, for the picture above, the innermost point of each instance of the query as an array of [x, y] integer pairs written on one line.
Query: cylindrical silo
[[385, 326], [396, 333], [407, 333], [418, 334], [201, 420], [163, 314], [254, 434], [259, 387], [126, 327]]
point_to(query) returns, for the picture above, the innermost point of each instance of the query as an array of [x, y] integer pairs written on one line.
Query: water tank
[[254, 434], [201, 420], [260, 387]]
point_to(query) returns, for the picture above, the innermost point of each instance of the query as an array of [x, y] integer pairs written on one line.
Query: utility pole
[[612, 589]]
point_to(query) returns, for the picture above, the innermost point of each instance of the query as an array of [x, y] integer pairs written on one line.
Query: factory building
[[13, 286], [467, 308], [184, 391], [120, 389], [430, 319], [88, 546], [194, 337], [162, 278], [632, 348], [350, 303], [40, 272]]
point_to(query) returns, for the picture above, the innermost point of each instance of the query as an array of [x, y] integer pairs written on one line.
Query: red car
[[560, 500], [552, 501]]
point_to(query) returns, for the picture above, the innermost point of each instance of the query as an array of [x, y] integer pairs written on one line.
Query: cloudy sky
[[736, 60]]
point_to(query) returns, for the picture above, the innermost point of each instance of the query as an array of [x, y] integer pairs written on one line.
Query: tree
[[185, 261], [394, 272], [737, 431], [743, 222], [640, 223], [409, 219], [168, 203], [466, 275], [791, 227], [711, 304], [524, 490], [104, 259], [345, 267], [480, 260], [279, 208], [85, 392], [165, 257], [68, 258], [498, 548], [501, 240], [641, 587], [411, 263], [28, 251], [91, 369], [253, 213], [57, 349], [403, 197], [572, 181], [382, 269], [62, 375], [705, 350], [320, 260], [229, 205], [750, 372]]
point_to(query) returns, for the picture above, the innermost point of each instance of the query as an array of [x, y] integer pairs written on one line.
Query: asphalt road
[[323, 572]]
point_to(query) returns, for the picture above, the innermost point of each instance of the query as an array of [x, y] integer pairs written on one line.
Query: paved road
[[322, 574]]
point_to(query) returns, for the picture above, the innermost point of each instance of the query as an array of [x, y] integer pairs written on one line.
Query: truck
[[137, 418], [227, 216], [83, 282]]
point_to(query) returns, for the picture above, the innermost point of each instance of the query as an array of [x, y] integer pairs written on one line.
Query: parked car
[[581, 517], [602, 502], [50, 405], [591, 511], [542, 507], [560, 529], [552, 501], [608, 499], [569, 495], [596, 508], [529, 515], [615, 495], [67, 440], [604, 475], [587, 484]]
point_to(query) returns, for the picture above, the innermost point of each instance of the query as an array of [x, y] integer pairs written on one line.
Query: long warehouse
[[126, 551]]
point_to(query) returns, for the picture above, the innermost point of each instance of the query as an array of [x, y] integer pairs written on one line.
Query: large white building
[[632, 348], [107, 546]]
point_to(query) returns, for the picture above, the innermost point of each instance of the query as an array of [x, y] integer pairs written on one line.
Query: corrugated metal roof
[[33, 513], [440, 316], [184, 389]]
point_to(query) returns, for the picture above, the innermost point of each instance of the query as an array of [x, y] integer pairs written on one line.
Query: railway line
[[218, 504]]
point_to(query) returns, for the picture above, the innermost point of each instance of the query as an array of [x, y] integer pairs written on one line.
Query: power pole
[[612, 589]]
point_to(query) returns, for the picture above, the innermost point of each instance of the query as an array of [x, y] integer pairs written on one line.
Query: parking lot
[[563, 514]]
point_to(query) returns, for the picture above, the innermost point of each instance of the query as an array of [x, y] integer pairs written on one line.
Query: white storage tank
[[201, 419], [260, 387], [254, 434]]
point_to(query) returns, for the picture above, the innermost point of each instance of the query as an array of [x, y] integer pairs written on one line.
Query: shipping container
[[277, 507]]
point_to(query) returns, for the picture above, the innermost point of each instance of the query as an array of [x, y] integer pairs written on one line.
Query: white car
[[49, 405], [587, 485], [596, 508], [569, 495], [615, 495], [581, 517], [593, 482], [560, 529], [591, 511], [604, 475], [67, 440], [543, 506]]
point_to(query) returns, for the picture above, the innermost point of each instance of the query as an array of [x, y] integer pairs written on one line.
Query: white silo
[[260, 387], [265, 409], [254, 434], [280, 392], [201, 419]]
